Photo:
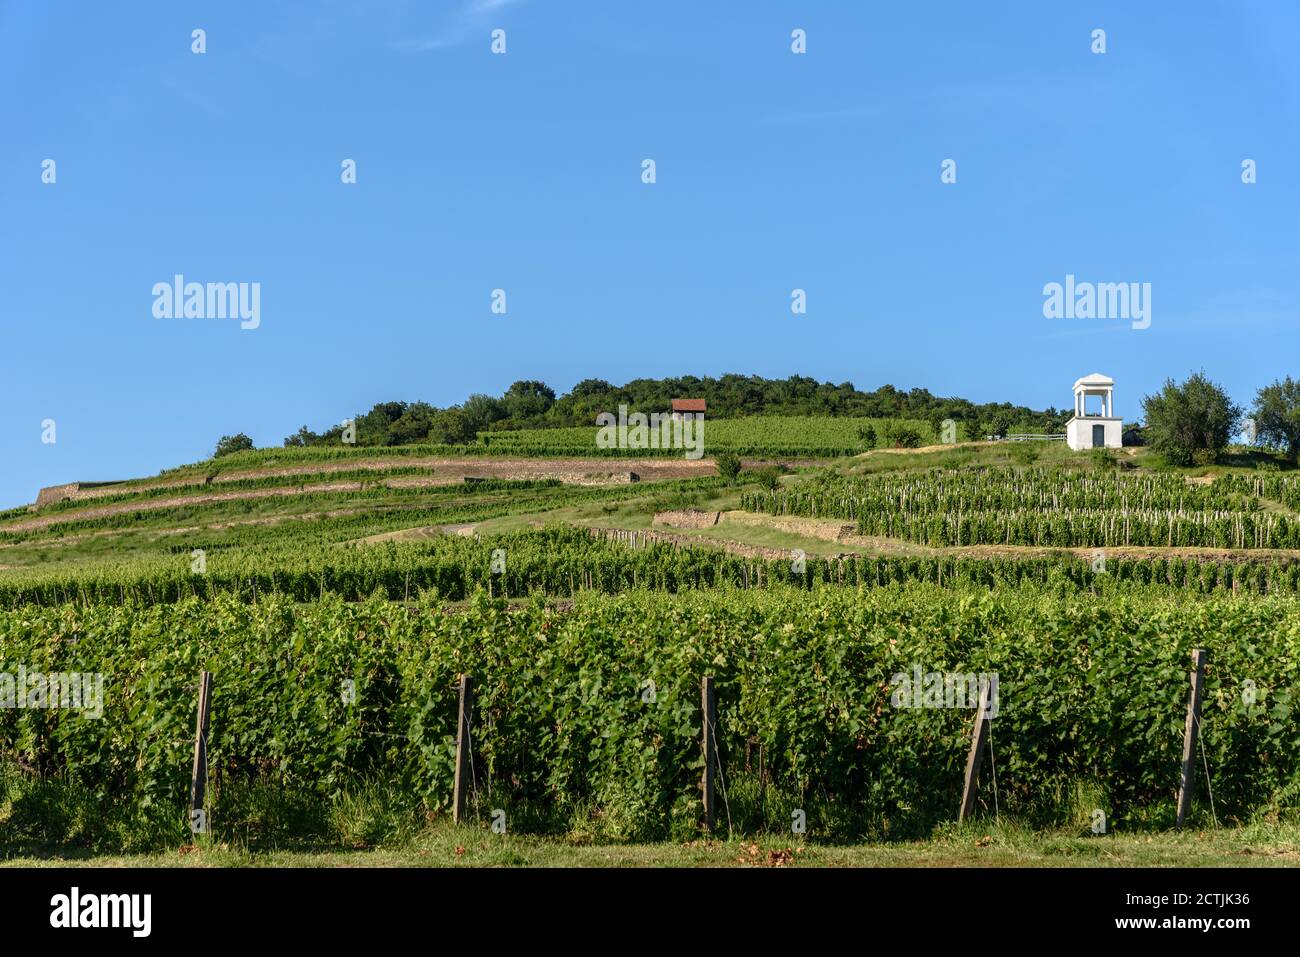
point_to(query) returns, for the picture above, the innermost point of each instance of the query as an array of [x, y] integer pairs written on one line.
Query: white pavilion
[[1097, 429]]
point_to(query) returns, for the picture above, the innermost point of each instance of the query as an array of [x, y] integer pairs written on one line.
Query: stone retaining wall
[[828, 530], [687, 518], [58, 493]]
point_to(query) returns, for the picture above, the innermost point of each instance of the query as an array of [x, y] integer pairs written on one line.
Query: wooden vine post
[[1191, 731], [460, 790], [199, 773], [709, 713], [978, 739]]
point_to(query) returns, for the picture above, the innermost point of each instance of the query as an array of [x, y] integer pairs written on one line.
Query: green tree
[[303, 436], [412, 425], [482, 411], [375, 427], [229, 444], [1277, 416], [528, 399], [591, 387], [451, 427], [1190, 423], [998, 423]]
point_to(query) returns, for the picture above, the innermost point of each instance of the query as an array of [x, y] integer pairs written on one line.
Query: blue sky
[[476, 171]]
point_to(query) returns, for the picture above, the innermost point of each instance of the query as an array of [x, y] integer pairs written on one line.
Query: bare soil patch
[[443, 471], [150, 505], [686, 518]]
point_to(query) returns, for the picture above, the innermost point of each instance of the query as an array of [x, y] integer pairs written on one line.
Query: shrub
[[728, 464], [899, 435], [1026, 453], [674, 501], [451, 427]]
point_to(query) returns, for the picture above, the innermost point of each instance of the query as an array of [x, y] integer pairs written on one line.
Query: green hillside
[[564, 583]]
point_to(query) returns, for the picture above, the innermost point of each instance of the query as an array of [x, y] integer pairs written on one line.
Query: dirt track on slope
[[573, 471], [864, 546], [154, 504], [443, 471]]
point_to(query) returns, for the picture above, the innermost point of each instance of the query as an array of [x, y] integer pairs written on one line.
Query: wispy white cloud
[[468, 21]]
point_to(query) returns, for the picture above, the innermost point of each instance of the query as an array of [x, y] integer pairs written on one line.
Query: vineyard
[[1284, 490], [567, 739], [338, 480], [801, 436], [564, 616], [563, 562], [336, 514], [1046, 508], [791, 436]]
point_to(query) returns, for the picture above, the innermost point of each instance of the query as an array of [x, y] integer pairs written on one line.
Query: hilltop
[[531, 404], [275, 498], [567, 582]]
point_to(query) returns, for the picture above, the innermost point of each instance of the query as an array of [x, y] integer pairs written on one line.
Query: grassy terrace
[[81, 536], [321, 517], [988, 845], [811, 436]]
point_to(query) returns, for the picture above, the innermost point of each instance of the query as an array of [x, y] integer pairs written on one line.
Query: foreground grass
[[987, 846]]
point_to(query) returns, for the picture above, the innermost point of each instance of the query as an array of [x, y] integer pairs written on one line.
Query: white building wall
[[1078, 432]]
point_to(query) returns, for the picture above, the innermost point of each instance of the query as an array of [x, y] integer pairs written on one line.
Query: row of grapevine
[[1095, 528], [1004, 488], [801, 436], [565, 735], [1277, 488], [343, 514], [1039, 507], [564, 562]]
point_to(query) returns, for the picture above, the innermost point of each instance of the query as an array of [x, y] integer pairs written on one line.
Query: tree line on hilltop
[[529, 404], [1187, 423]]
